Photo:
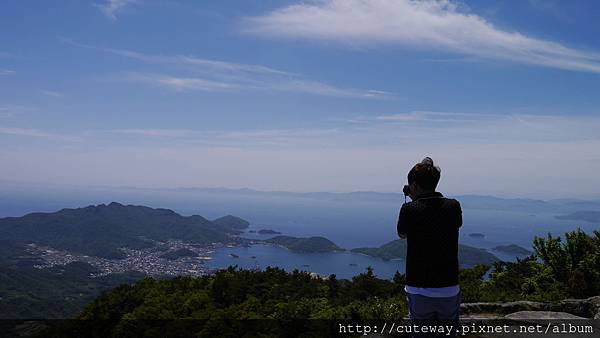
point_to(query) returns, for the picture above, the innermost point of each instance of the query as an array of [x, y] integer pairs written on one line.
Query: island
[[268, 232], [468, 256], [392, 250], [231, 222], [104, 230], [513, 249], [179, 253], [476, 235], [587, 216], [305, 244]]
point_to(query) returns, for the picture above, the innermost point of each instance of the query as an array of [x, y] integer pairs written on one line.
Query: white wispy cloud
[[156, 132], [431, 24], [23, 132], [36, 133], [250, 84], [482, 128], [320, 88], [52, 93], [235, 138], [433, 116], [216, 75], [177, 83], [111, 8], [183, 60], [419, 127], [9, 110], [6, 72], [411, 116]]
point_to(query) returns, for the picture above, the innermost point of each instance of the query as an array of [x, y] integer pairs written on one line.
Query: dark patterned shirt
[[430, 224]]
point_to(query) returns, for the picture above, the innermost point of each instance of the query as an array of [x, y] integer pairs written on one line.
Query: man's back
[[430, 224]]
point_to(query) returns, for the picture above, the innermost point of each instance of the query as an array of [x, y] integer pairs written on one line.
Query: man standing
[[430, 226]]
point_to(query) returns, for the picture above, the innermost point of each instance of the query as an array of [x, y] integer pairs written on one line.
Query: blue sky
[[306, 96]]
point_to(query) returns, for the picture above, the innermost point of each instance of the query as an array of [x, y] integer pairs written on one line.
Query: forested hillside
[[100, 230], [558, 269]]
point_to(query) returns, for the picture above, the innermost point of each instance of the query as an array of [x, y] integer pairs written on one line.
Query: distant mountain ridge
[[17, 204], [584, 215], [99, 230], [468, 200]]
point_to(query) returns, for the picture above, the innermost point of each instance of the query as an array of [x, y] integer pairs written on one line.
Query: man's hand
[[403, 221]]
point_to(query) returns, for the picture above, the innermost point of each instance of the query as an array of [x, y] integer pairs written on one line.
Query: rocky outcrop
[[523, 315], [516, 314], [586, 308]]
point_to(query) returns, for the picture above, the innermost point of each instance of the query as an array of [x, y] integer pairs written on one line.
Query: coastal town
[[170, 258]]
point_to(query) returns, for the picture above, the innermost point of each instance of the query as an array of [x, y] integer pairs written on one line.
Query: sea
[[348, 222]]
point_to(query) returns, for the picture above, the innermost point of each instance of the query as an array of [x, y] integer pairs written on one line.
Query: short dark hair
[[425, 174]]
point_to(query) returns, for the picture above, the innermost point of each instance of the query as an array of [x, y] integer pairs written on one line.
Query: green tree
[[574, 263]]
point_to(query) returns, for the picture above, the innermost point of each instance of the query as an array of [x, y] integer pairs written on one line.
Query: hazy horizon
[[31, 188]]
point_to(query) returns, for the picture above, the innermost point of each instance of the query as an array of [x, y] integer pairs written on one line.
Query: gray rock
[[586, 308], [541, 315]]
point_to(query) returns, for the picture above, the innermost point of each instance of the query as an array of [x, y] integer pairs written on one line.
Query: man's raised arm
[[402, 222], [458, 219]]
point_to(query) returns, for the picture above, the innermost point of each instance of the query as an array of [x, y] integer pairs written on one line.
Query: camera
[[406, 190]]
